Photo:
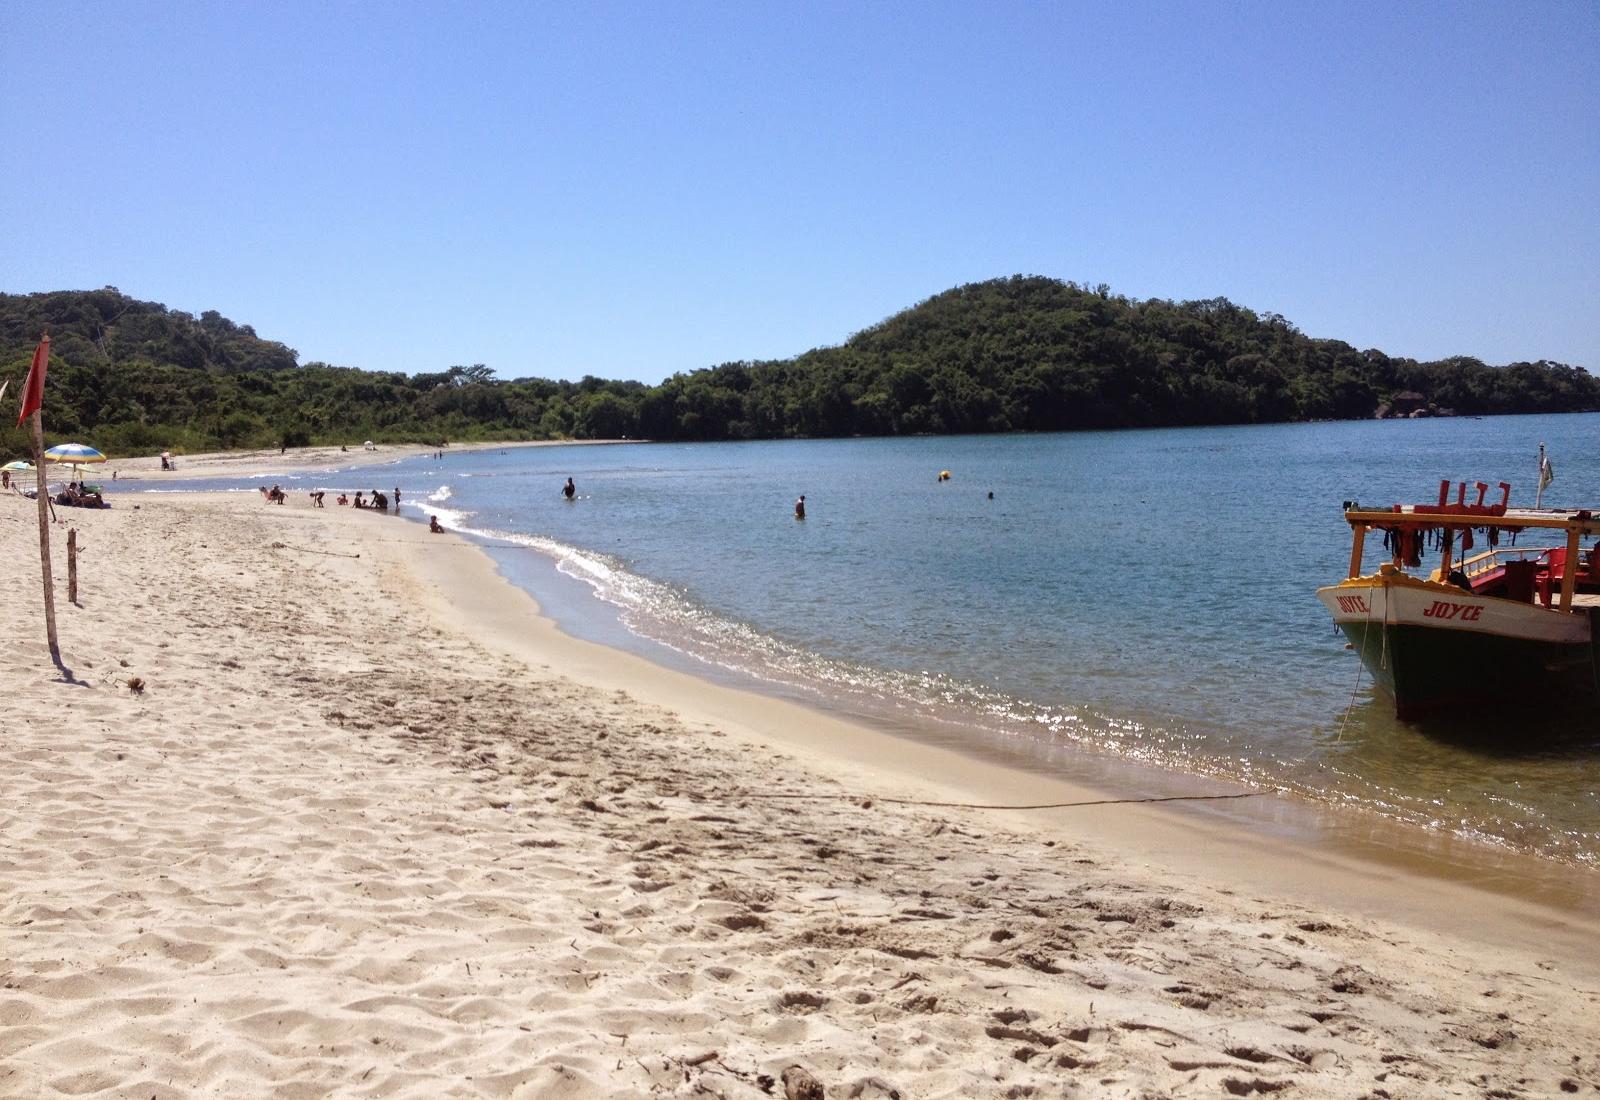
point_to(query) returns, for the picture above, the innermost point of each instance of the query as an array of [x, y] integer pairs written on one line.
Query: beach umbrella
[[74, 454], [17, 467]]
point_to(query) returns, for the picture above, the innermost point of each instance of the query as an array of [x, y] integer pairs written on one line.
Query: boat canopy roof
[[1458, 513], [1417, 516]]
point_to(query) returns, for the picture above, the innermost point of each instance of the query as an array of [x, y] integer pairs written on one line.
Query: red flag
[[33, 388]]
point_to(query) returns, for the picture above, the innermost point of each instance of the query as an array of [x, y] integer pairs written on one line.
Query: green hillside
[[1015, 354]]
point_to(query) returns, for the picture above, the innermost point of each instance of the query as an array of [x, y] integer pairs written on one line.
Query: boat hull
[[1435, 648]]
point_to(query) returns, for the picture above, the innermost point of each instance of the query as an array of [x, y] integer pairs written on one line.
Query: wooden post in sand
[[72, 565], [44, 539]]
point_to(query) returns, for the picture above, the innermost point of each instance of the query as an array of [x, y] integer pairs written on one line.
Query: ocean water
[[1140, 596]]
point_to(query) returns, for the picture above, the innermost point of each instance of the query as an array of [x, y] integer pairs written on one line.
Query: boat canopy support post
[[1569, 571], [1357, 547], [1446, 545]]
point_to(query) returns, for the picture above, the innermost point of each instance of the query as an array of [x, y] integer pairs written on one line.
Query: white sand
[[372, 828], [266, 463]]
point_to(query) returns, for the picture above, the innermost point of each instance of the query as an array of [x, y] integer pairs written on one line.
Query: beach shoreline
[[375, 824], [292, 460], [1330, 854], [1364, 844]]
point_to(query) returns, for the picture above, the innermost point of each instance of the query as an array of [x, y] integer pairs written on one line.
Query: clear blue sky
[[634, 190]]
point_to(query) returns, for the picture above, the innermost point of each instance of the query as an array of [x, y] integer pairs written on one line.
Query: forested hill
[[1023, 353]]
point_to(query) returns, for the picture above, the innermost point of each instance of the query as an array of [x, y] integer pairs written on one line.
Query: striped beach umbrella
[[73, 454], [15, 470]]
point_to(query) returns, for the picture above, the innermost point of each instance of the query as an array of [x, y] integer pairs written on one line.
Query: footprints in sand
[[294, 867]]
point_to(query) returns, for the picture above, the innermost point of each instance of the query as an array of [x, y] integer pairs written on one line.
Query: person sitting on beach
[[433, 525], [77, 495], [342, 499], [359, 502]]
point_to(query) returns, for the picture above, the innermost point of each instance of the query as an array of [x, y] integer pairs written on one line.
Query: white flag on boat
[[1547, 470]]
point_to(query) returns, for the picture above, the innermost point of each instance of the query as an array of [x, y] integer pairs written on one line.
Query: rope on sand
[[304, 550], [1034, 806]]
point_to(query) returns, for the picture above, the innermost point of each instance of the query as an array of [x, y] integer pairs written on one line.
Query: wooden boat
[[1508, 623]]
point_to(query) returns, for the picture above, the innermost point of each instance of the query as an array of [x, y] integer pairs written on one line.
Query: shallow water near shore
[[1143, 596]]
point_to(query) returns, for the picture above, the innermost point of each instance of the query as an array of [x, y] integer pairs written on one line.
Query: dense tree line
[[1016, 354]]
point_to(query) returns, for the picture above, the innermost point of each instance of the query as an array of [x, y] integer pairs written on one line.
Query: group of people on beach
[[375, 500], [379, 501], [79, 495]]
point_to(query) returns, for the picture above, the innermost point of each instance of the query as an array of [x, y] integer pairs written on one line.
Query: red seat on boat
[[1520, 579], [1554, 568]]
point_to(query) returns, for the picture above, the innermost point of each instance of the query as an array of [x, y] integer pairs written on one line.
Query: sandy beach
[[265, 463], [324, 807]]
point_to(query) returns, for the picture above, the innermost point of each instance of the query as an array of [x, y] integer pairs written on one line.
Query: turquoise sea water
[[1147, 595]]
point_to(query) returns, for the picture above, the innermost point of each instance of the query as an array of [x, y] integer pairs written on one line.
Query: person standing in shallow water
[[569, 490], [800, 507]]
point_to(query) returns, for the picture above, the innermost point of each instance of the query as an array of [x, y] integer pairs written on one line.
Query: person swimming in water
[[569, 490]]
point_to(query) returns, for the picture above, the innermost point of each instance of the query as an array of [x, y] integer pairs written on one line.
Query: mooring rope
[[1003, 806], [306, 550], [1361, 665]]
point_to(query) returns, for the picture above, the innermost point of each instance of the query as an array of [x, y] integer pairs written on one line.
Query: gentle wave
[[668, 617]]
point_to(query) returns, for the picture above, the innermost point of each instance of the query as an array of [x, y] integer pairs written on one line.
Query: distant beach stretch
[[328, 808]]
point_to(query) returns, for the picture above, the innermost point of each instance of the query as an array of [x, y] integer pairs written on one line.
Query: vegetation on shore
[[1013, 354]]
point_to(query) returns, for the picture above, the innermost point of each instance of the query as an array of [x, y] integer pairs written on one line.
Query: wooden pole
[[1569, 572], [72, 565], [1357, 544], [44, 538]]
